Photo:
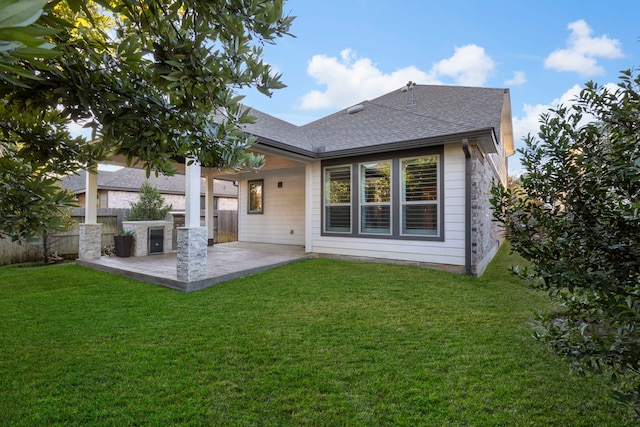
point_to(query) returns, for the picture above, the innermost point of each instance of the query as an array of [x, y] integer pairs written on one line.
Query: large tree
[[146, 76], [576, 218]]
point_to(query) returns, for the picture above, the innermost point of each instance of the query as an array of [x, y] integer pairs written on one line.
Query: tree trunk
[[45, 247]]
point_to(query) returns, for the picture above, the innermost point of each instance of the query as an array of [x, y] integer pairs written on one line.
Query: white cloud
[[350, 79], [469, 66], [519, 78], [530, 122], [582, 51]]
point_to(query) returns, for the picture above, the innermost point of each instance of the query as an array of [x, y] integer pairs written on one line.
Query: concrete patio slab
[[225, 262]]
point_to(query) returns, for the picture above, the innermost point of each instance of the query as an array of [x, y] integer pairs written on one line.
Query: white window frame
[[363, 203], [436, 203], [327, 204]]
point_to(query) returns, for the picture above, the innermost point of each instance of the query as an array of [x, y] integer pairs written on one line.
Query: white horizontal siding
[[450, 251], [415, 251], [316, 200], [282, 220], [454, 195]]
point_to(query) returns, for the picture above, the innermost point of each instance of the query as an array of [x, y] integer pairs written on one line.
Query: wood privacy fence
[[66, 244], [225, 224]]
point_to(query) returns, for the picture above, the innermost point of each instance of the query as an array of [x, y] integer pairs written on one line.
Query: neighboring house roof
[[425, 114], [130, 179]]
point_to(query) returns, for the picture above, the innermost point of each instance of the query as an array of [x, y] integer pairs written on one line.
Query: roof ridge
[[408, 110]]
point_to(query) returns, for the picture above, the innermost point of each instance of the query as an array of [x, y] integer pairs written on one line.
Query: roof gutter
[[278, 148], [467, 206], [263, 143], [475, 135]]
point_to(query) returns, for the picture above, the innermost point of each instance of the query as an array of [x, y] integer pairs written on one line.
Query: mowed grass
[[319, 342]]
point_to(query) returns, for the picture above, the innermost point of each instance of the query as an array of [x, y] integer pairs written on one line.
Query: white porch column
[[91, 199], [90, 232], [192, 238], [308, 207], [209, 209], [192, 194]]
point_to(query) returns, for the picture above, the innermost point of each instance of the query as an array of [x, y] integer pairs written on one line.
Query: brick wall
[[123, 200], [486, 235]]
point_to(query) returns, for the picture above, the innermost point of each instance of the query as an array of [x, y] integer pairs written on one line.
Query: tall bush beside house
[[150, 206], [576, 218]]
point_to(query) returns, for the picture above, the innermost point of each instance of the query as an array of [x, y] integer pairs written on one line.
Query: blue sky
[[544, 51]]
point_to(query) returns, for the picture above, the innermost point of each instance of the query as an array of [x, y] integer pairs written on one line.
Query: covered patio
[[194, 265], [225, 262]]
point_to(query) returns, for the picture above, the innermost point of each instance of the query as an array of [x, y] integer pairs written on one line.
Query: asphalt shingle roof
[[130, 179], [430, 112]]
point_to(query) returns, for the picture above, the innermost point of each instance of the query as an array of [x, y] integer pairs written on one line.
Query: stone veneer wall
[[141, 239], [486, 234], [192, 253], [90, 241]]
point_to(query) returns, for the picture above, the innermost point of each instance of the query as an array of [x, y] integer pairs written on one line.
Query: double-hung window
[[420, 196], [375, 197], [337, 199]]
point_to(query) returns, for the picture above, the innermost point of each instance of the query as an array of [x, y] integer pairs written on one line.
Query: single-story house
[[404, 177]]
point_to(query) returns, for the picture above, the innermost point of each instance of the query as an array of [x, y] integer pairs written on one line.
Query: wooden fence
[[225, 224], [66, 244]]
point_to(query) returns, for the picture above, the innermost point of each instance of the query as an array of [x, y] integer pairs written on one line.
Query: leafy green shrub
[[577, 219], [151, 205]]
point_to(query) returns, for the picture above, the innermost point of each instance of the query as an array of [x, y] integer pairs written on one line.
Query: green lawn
[[319, 342]]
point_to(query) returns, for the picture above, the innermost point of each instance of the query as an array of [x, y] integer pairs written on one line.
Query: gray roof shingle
[[438, 111], [130, 179]]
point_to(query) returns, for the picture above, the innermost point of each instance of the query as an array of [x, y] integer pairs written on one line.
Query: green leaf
[[7, 77], [35, 52], [75, 5], [171, 78], [19, 34], [32, 30], [174, 63], [19, 71], [20, 13]]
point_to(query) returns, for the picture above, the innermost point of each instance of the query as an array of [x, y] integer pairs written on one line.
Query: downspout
[[467, 206]]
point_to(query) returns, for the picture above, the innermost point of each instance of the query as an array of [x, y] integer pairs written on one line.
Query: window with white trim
[[337, 199], [420, 196], [375, 197]]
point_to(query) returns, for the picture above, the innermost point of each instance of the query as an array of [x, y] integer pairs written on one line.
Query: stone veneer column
[[192, 253], [90, 241]]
